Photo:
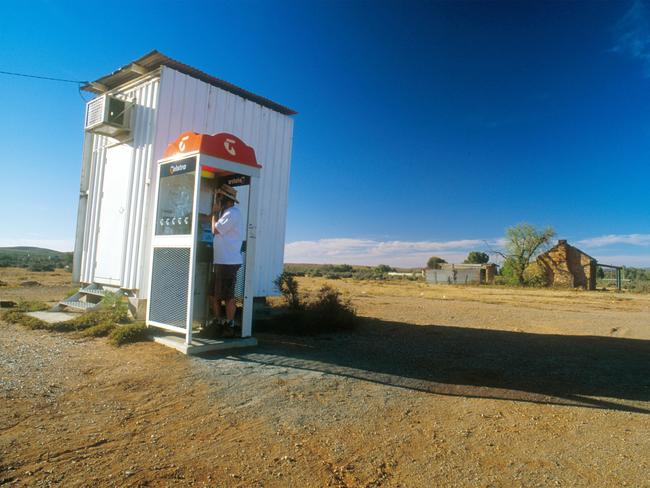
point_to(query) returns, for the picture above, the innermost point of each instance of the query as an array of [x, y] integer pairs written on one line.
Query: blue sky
[[423, 128]]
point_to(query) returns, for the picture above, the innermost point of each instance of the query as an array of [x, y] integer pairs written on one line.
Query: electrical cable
[[10, 73], [79, 83]]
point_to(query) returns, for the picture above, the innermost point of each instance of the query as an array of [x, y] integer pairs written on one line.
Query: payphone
[[194, 166]]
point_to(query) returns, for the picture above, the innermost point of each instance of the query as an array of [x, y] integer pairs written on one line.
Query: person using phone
[[227, 242]]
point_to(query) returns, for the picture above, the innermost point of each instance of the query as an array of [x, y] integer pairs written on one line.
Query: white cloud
[[373, 252], [63, 245], [611, 239], [633, 34], [415, 253]]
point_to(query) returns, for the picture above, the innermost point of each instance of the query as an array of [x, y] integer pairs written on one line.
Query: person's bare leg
[[231, 308], [216, 307]]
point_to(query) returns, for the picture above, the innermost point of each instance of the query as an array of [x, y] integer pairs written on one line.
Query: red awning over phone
[[223, 146]]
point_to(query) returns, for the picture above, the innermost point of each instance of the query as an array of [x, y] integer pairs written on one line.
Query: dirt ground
[[440, 386]]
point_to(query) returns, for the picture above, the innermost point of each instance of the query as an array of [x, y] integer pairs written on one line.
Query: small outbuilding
[[461, 274], [160, 136], [568, 266]]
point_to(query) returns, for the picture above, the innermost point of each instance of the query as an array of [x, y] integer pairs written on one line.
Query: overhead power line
[[49, 78]]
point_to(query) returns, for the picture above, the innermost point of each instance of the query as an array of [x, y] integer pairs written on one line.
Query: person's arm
[[215, 211], [214, 224], [225, 223]]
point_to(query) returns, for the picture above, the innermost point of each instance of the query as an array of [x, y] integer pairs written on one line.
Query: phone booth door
[[170, 294]]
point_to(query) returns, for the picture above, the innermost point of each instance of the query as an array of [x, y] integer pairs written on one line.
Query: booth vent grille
[[239, 283], [169, 286], [95, 111]]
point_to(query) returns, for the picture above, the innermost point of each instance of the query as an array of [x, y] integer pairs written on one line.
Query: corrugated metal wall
[[97, 158], [143, 158], [188, 104], [164, 108], [145, 98]]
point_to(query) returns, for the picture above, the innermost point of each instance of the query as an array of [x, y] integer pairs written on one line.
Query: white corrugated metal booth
[[139, 110]]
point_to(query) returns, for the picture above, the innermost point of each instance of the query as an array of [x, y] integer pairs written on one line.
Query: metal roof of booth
[[155, 60]]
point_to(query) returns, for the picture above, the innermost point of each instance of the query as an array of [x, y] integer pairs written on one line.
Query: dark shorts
[[225, 276]]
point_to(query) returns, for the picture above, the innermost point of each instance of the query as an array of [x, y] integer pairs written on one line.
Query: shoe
[[210, 329], [206, 332]]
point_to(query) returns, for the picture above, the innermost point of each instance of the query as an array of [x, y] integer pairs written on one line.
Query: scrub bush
[[99, 330], [329, 312], [324, 313], [126, 334], [113, 310], [115, 304], [288, 287], [16, 316], [105, 317]]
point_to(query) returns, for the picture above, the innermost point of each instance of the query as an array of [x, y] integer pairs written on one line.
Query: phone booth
[[193, 168]]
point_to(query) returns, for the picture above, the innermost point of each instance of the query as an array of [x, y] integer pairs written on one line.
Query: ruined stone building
[[568, 266]]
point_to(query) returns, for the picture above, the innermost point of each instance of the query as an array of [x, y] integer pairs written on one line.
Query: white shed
[[138, 111]]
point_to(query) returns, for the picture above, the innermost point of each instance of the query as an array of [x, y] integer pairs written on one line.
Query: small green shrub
[[288, 286], [117, 305], [99, 330], [126, 334]]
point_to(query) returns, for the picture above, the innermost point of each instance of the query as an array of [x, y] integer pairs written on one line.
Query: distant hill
[[36, 251], [34, 258]]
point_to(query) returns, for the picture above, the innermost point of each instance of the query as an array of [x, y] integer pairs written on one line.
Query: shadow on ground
[[588, 371]]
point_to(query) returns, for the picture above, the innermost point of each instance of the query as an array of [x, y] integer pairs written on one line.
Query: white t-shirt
[[227, 243]]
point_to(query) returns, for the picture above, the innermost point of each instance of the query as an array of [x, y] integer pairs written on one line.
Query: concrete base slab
[[51, 317], [200, 345]]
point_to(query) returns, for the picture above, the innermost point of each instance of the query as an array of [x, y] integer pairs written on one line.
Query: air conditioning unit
[[109, 116]]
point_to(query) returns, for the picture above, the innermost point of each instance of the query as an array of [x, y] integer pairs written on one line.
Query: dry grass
[[533, 297]]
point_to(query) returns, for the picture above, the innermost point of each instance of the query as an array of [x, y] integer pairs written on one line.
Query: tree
[[523, 243], [383, 268], [477, 257], [434, 262]]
